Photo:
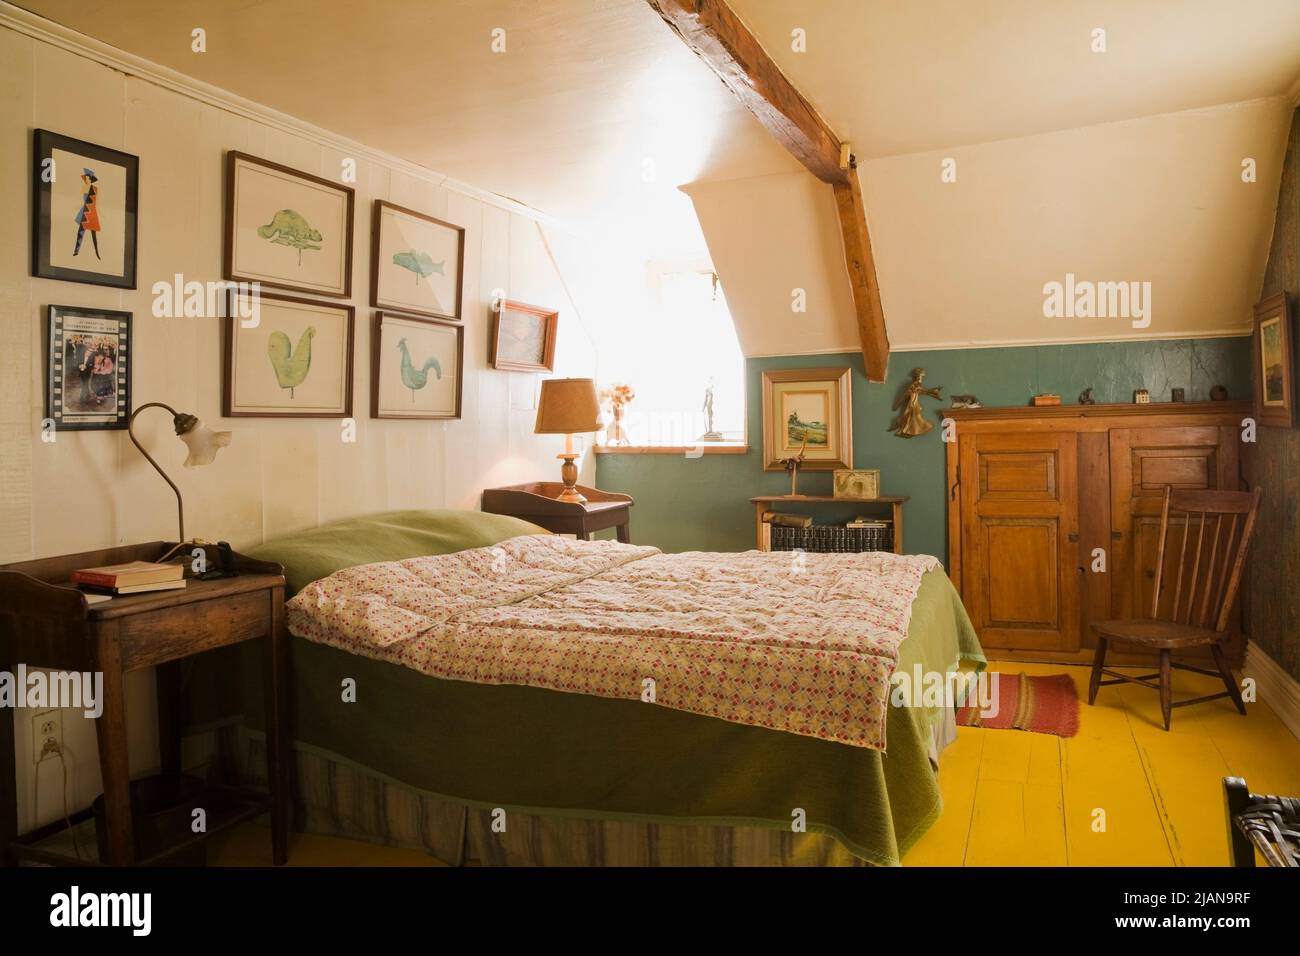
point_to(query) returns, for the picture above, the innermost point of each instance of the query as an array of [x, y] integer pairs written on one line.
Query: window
[[686, 347]]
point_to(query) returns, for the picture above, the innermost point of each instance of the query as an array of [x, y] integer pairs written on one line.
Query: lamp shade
[[203, 444], [568, 406]]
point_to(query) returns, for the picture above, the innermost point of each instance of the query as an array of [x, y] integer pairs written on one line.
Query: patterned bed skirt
[[335, 797]]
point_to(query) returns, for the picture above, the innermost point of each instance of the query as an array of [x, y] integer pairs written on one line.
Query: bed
[[509, 773]]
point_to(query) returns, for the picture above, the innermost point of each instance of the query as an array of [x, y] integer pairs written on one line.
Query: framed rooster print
[[416, 367], [84, 202], [417, 263]]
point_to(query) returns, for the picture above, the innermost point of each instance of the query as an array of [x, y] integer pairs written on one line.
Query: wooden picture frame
[[821, 400], [523, 337], [1273, 363], [88, 368], [853, 483], [429, 340], [400, 244], [258, 355], [83, 191], [265, 225]]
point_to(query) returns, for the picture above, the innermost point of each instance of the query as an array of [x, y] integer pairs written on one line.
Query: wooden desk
[[45, 622], [764, 503], [536, 502]]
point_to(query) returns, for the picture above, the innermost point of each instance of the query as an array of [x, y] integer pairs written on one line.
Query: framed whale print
[[417, 263], [287, 229], [84, 201], [416, 367], [294, 361]]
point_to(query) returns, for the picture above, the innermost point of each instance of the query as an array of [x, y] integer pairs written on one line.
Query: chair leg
[[1166, 686], [1098, 662], [1229, 681]]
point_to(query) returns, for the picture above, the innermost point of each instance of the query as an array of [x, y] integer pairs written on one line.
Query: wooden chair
[[1204, 585], [1269, 823]]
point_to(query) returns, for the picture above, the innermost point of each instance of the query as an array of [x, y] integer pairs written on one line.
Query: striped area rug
[[1041, 705]]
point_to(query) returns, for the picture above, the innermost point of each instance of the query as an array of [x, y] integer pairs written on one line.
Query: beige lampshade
[[203, 444], [568, 406]]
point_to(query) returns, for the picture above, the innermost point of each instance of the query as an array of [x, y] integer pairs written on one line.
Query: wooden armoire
[[1040, 497]]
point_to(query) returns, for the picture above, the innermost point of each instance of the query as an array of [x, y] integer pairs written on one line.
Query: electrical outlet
[[47, 734]]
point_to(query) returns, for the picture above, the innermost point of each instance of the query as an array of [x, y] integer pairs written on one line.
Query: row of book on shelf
[[790, 532]]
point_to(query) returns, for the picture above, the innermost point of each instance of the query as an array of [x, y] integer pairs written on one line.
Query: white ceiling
[[596, 113]]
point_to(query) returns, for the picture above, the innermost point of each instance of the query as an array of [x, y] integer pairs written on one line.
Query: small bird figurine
[[412, 377], [1085, 397], [291, 365], [966, 401]]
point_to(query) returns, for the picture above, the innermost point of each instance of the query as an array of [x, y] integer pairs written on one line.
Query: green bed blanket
[[541, 751]]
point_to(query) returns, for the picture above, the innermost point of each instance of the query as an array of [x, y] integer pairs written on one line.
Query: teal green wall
[[702, 504]]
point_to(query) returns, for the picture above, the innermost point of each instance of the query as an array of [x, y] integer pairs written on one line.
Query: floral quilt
[[804, 643]]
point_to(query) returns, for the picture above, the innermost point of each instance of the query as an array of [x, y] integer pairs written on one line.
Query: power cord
[[52, 749]]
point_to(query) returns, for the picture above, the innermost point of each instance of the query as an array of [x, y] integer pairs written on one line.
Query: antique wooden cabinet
[[1054, 513]]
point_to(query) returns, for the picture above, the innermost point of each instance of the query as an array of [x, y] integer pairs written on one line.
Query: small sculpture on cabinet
[[911, 420]]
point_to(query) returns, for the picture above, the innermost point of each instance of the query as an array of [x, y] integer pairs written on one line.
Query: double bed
[[398, 739]]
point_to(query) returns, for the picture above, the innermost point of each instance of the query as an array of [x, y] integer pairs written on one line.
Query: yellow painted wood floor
[[1020, 799]]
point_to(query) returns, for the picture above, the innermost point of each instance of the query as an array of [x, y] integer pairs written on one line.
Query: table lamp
[[202, 442], [568, 406]]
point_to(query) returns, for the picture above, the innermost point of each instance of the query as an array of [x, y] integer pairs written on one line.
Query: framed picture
[[417, 263], [287, 229], [416, 367], [88, 362], [523, 338], [1273, 363], [808, 411], [295, 361], [84, 201], [856, 483]]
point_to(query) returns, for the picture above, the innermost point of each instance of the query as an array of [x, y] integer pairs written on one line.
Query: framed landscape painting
[[88, 373], [417, 263], [295, 362], [84, 201], [808, 411], [1274, 364], [287, 229], [523, 338], [416, 368]]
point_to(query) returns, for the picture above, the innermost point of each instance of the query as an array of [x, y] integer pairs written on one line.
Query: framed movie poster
[[1274, 353], [88, 368], [416, 368], [417, 263], [84, 201], [523, 338], [294, 362], [287, 229], [808, 412]]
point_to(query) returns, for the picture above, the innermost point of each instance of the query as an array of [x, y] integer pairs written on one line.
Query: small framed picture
[[523, 338], [1274, 366], [417, 263], [416, 367], [294, 361], [808, 412], [286, 228], [84, 201], [856, 483], [88, 377]]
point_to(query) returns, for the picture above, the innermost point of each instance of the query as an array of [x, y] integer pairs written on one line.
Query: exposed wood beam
[[716, 35]]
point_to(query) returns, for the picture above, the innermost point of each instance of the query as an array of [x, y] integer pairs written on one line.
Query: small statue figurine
[[1085, 397], [710, 433], [966, 401], [911, 420], [792, 466]]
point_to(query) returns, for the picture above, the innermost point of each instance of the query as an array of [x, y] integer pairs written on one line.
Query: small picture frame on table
[[523, 337], [88, 369]]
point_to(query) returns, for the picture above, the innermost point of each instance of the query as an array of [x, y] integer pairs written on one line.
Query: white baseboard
[[1274, 687]]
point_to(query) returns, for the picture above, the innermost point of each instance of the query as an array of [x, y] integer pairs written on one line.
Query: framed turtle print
[[287, 229], [84, 202], [294, 361], [416, 367], [88, 368], [523, 338], [417, 263], [1274, 353]]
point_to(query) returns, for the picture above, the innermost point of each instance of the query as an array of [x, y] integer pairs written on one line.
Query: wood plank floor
[[1123, 792]]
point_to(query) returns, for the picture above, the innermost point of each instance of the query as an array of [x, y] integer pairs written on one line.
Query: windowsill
[[707, 448]]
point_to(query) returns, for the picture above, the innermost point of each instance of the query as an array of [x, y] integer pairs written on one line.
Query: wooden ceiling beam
[[717, 36]]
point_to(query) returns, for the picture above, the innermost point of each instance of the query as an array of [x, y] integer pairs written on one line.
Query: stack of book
[[134, 577], [861, 534]]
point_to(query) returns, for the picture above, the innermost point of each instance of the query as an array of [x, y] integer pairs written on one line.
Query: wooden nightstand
[[45, 622], [536, 502]]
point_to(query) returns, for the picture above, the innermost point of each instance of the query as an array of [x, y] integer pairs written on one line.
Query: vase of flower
[[618, 397]]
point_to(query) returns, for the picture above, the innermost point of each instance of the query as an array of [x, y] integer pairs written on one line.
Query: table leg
[[623, 533], [114, 766], [277, 728], [8, 783], [167, 679]]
